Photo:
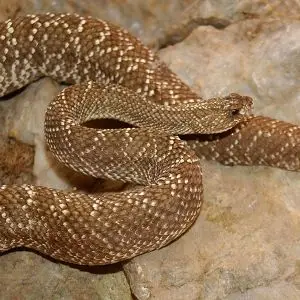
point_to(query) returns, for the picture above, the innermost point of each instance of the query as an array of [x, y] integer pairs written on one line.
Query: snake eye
[[235, 112]]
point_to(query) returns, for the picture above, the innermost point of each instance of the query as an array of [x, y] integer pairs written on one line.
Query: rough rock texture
[[15, 167], [245, 245], [245, 240], [247, 237], [161, 22], [33, 277], [259, 58]]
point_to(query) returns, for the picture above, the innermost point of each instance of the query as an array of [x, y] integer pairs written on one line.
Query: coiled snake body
[[122, 79]]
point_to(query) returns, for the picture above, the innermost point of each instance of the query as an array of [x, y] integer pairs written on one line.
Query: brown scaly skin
[[258, 141], [106, 228]]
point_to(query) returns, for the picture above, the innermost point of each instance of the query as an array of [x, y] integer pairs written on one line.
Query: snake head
[[219, 114]]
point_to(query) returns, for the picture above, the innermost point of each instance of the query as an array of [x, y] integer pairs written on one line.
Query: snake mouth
[[240, 105], [241, 115], [244, 112]]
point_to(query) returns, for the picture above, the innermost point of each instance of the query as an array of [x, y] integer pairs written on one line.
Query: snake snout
[[241, 106]]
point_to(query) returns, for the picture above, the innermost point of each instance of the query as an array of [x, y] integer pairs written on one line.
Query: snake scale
[[114, 76]]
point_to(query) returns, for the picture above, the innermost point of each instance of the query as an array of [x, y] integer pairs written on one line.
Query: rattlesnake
[[120, 78]]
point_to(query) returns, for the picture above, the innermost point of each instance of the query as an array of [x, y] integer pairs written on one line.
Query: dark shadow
[[99, 270], [12, 94], [107, 124]]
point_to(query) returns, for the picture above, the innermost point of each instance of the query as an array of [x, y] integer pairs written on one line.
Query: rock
[[16, 161], [247, 236], [221, 14], [160, 23], [29, 276], [261, 64]]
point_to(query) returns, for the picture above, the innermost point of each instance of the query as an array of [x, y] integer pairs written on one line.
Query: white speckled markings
[[122, 79]]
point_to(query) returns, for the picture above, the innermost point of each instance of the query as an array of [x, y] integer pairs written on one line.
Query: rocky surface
[[245, 240], [15, 168], [29, 276], [160, 23], [245, 244], [247, 237]]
